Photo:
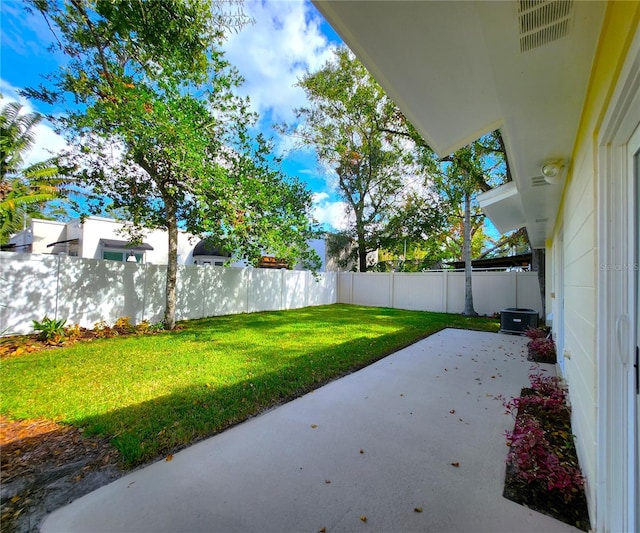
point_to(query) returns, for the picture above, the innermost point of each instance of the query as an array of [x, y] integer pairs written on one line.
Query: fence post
[[351, 289], [445, 291], [307, 287], [391, 288]]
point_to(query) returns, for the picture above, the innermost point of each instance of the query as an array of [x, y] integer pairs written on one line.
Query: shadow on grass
[[153, 428]]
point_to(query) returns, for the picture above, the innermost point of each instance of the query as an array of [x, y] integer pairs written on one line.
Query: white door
[[617, 489]]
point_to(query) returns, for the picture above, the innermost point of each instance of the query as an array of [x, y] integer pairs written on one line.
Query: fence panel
[[227, 291], [528, 291], [85, 291], [189, 293], [265, 290], [440, 291], [91, 290], [155, 280], [420, 291], [28, 290], [371, 289], [322, 291], [295, 289]]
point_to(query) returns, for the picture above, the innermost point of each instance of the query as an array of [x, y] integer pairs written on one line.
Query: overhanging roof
[[503, 206], [113, 243], [460, 69]]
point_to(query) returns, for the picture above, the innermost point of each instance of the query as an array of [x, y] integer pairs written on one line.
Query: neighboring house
[[100, 238], [105, 238], [561, 79]]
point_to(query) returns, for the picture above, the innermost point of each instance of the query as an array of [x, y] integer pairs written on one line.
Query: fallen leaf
[[455, 464], [452, 411], [361, 450], [314, 426], [169, 458], [322, 530], [327, 481], [363, 518], [15, 499], [417, 509]]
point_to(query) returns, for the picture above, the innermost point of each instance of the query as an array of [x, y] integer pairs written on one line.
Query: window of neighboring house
[[219, 263], [112, 255]]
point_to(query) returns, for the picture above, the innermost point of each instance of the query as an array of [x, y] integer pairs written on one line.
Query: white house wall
[[95, 229], [579, 279], [46, 232]]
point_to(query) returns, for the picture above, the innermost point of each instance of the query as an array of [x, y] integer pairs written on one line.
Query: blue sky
[[288, 38]]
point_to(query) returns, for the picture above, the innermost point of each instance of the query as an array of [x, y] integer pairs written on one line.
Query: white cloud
[[47, 141], [284, 43], [330, 213]]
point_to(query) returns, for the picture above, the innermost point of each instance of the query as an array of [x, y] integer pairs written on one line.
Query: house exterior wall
[[46, 232], [574, 246], [95, 229]]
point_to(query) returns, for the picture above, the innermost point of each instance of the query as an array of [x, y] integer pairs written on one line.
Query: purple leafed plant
[[541, 449], [535, 333], [542, 350]]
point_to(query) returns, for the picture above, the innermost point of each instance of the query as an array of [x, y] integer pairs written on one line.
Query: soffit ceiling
[[461, 69]]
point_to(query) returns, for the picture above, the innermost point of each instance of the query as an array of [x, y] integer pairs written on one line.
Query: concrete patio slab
[[421, 429]]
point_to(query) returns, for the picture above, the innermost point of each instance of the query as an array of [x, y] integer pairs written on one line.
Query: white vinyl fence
[[440, 291], [84, 291]]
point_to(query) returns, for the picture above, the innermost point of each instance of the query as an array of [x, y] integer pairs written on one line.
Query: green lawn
[[153, 394]]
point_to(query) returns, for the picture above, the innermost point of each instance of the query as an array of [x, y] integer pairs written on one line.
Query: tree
[[474, 168], [24, 190], [349, 122], [159, 133]]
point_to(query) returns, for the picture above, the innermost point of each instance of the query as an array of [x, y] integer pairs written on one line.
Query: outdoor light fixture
[[552, 171]]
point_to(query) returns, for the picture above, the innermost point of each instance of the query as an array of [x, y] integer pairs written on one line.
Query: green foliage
[[160, 134], [155, 393], [357, 131], [24, 190], [52, 331]]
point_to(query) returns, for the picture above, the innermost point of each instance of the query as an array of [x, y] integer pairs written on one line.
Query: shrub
[[123, 325], [73, 332], [541, 440], [143, 327], [51, 331], [535, 333], [102, 330], [542, 350]]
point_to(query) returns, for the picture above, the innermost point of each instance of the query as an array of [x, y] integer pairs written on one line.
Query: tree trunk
[[468, 292], [362, 253], [172, 266]]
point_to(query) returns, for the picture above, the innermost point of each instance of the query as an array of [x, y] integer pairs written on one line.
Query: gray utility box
[[517, 320]]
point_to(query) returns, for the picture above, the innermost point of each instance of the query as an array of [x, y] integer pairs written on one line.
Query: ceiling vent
[[543, 21], [538, 181]]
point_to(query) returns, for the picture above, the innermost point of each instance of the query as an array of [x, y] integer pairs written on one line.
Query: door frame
[[616, 453]]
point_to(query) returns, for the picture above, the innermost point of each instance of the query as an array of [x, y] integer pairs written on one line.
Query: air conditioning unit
[[517, 320]]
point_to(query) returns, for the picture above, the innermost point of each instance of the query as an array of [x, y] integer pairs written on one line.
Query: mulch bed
[[573, 509], [45, 465]]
